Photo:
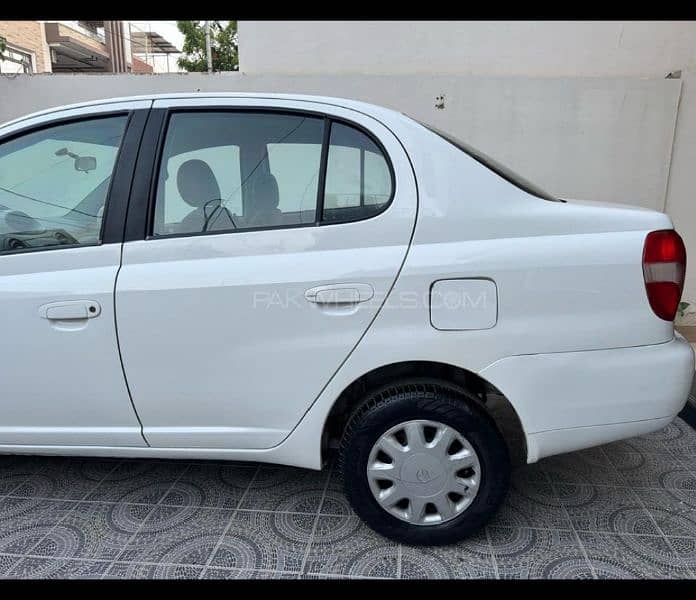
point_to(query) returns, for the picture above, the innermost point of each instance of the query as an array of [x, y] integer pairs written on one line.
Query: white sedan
[[272, 278]]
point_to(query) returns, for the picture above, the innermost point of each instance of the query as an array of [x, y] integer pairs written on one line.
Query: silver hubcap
[[423, 472]]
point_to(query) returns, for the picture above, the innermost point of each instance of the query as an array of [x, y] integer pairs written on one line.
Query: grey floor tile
[[286, 489], [635, 445], [27, 521], [652, 443], [15, 469], [627, 487], [532, 504], [120, 570], [49, 568], [66, 478], [211, 485], [538, 554], [469, 559], [94, 530], [7, 562], [685, 549], [13, 508], [265, 541], [525, 474], [674, 511], [653, 471], [591, 466], [678, 437], [608, 509], [139, 481], [177, 535], [336, 505], [218, 573], [327, 576], [346, 546], [616, 556], [335, 502]]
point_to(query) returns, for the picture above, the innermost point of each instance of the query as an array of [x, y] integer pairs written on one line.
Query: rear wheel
[[423, 464]]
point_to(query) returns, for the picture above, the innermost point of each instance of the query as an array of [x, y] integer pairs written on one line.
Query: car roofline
[[348, 103]]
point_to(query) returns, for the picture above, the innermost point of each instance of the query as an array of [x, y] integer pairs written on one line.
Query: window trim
[[323, 168], [147, 223], [111, 231]]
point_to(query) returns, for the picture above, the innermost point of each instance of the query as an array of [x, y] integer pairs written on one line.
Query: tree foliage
[[2, 45], [223, 43]]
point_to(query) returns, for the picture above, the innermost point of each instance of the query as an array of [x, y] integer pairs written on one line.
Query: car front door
[[63, 193], [275, 231]]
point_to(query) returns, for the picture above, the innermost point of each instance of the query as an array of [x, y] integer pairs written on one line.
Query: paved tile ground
[[627, 509]]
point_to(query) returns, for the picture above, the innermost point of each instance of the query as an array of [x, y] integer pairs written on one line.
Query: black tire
[[431, 400]]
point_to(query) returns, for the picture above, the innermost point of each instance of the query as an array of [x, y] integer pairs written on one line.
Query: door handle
[[71, 310], [340, 293]]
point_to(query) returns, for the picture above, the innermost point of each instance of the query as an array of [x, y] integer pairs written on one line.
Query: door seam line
[[120, 355]]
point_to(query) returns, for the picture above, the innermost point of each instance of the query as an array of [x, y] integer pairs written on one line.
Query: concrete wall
[[532, 48]]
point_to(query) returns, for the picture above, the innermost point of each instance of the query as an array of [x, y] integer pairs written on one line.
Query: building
[[67, 47], [140, 66], [154, 50], [26, 48]]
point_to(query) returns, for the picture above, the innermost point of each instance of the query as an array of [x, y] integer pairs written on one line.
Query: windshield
[[493, 165]]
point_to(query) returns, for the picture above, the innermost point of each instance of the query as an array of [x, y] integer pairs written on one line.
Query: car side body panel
[[572, 311]]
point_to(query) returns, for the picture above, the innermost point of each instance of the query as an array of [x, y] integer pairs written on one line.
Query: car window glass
[[224, 171], [54, 183], [358, 178], [223, 161]]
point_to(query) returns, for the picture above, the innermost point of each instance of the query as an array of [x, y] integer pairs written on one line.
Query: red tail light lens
[[664, 268]]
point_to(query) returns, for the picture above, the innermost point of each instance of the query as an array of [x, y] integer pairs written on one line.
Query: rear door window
[[226, 171]]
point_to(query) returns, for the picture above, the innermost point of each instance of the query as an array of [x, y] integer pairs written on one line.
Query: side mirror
[[85, 163]]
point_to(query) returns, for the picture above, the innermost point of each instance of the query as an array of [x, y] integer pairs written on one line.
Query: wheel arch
[[489, 398]]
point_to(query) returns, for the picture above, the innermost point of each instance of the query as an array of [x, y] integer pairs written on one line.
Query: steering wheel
[[215, 213]]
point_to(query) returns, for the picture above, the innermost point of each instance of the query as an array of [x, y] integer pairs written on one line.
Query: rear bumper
[[572, 400]]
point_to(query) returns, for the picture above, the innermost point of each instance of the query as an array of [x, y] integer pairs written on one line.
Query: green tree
[[2, 45], [223, 44]]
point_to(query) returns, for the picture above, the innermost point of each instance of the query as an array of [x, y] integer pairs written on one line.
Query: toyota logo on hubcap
[[423, 475]]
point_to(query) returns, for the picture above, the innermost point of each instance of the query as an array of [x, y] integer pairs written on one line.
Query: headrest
[[196, 183], [265, 195]]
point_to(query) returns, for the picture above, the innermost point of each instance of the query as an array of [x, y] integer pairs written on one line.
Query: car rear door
[[64, 185], [246, 286]]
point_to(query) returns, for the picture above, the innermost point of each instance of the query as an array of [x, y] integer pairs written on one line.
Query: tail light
[[664, 268]]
